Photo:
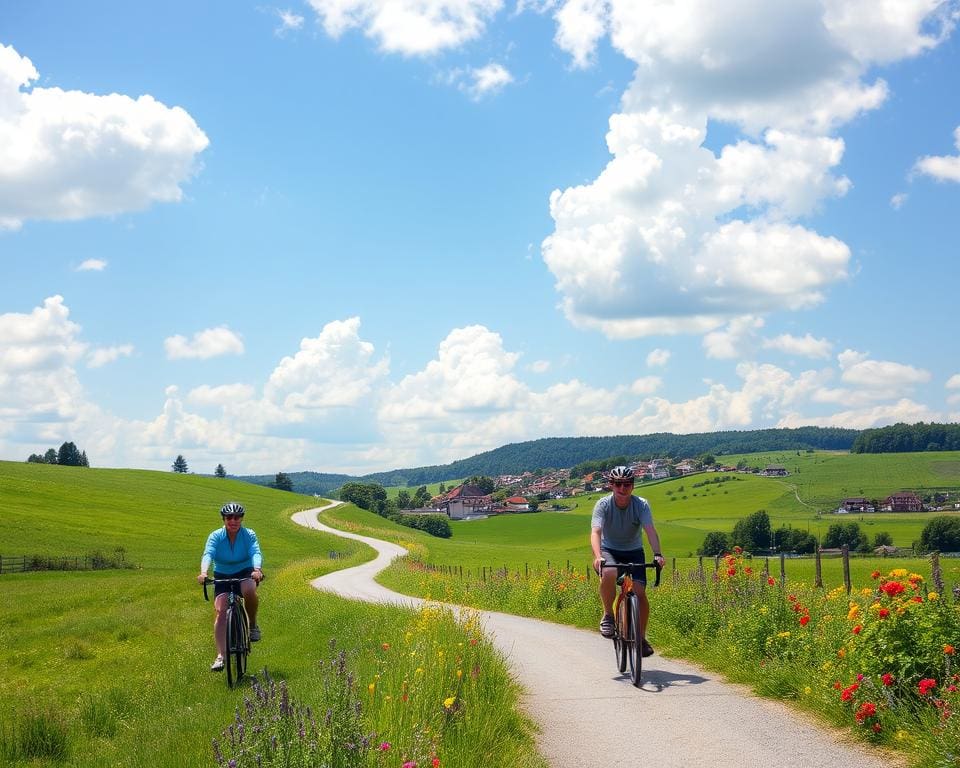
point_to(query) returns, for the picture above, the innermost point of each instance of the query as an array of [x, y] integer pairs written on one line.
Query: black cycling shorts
[[627, 556], [222, 589]]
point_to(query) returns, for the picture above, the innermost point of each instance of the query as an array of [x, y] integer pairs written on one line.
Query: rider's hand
[[201, 578], [660, 559], [596, 564], [257, 575]]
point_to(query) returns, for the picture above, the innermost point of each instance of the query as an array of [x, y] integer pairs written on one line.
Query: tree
[[50, 457], [942, 534], [846, 534], [282, 482], [403, 499], [882, 539], [36, 458], [752, 532], [421, 498], [180, 464], [68, 455], [484, 483], [220, 471], [84, 461], [715, 543]]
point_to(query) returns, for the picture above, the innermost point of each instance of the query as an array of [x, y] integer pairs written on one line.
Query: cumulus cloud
[[658, 358], [68, 155], [289, 21], [953, 382], [92, 265], [212, 342], [735, 340], [804, 346], [481, 82], [103, 355], [714, 235], [941, 168], [410, 27]]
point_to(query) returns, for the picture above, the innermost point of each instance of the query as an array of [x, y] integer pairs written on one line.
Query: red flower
[[867, 710], [877, 727], [837, 685], [857, 629], [731, 571], [892, 588], [875, 575], [805, 619], [883, 613], [738, 550], [948, 649], [748, 570], [887, 678], [926, 685], [848, 692], [770, 581]]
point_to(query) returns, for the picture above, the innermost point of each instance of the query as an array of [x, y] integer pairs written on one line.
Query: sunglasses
[[233, 517], [622, 483]]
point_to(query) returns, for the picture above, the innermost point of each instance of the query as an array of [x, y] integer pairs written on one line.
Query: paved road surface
[[685, 717]]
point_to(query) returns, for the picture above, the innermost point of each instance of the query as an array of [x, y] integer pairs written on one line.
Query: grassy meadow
[[111, 667]]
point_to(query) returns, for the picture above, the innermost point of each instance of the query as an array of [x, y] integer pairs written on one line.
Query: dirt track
[[684, 716]]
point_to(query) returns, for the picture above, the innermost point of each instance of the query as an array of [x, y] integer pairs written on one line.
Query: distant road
[[683, 717]]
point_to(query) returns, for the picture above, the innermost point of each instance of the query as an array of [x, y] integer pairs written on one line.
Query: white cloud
[[646, 385], [92, 265], [220, 396], [540, 366], [658, 358], [67, 155], [805, 346], [289, 21], [411, 27], [899, 200], [905, 410], [333, 370], [953, 382], [861, 371], [103, 355], [479, 83], [212, 342], [714, 236], [737, 339], [942, 168]]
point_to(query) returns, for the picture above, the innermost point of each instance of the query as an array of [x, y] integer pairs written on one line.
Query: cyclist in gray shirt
[[615, 537]]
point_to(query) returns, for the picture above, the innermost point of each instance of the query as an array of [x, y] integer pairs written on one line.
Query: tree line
[[755, 534], [373, 498], [68, 456], [908, 438]]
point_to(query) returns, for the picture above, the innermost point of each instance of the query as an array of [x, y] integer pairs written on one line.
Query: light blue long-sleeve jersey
[[231, 558]]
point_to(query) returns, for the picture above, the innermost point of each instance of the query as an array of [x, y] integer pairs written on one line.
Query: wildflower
[[731, 572], [847, 693], [384, 746], [875, 575], [449, 702], [385, 646], [842, 653], [435, 763], [883, 613], [926, 685], [854, 611], [867, 710], [887, 679], [410, 764], [371, 688], [892, 588], [738, 550], [857, 629], [877, 727], [805, 619], [770, 581], [807, 690], [933, 596], [948, 649]]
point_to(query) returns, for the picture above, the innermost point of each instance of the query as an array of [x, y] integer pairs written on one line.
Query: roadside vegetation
[[111, 667]]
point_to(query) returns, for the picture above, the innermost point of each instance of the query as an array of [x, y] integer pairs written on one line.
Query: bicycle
[[238, 630], [627, 640]]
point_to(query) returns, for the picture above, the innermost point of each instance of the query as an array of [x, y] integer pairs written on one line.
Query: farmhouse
[[902, 501], [854, 504], [774, 470], [463, 501]]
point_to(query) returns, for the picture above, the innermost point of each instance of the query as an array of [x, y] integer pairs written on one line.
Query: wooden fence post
[[783, 569], [818, 579], [846, 568], [936, 573]]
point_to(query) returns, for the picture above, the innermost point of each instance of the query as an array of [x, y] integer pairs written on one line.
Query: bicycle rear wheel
[[619, 640], [636, 645]]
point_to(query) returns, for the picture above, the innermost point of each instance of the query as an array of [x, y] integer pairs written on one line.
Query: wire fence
[[94, 561]]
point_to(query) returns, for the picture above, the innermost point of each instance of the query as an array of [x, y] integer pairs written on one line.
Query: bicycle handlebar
[[625, 567], [232, 580]]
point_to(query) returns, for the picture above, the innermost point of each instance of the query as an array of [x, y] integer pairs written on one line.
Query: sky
[[359, 235]]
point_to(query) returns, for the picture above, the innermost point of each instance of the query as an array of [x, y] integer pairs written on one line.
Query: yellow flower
[[853, 612], [449, 701], [842, 653], [763, 610], [371, 688], [783, 634], [807, 690], [933, 596], [419, 671], [898, 573], [459, 673]]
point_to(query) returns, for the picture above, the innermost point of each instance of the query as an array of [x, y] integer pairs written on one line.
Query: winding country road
[[685, 716]]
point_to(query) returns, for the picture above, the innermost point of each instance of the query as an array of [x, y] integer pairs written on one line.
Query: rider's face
[[232, 522], [622, 489]]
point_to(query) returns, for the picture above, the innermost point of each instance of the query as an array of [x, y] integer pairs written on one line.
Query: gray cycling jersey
[[621, 528]]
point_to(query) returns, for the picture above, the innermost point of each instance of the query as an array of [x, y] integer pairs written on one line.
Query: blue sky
[[355, 235]]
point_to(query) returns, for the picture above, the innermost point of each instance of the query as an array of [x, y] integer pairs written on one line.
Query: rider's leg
[[220, 623], [248, 589], [608, 589]]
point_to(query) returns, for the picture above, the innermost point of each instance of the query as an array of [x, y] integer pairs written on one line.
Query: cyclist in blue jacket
[[235, 554]]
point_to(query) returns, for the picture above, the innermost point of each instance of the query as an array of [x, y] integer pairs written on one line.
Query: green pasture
[[111, 667]]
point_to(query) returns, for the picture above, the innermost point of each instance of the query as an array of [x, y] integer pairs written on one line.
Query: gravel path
[[684, 715]]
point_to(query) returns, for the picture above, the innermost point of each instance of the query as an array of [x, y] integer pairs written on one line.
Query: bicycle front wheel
[[619, 638], [236, 659], [636, 645]]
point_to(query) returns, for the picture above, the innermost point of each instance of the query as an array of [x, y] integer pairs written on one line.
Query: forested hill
[[909, 438], [559, 452]]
